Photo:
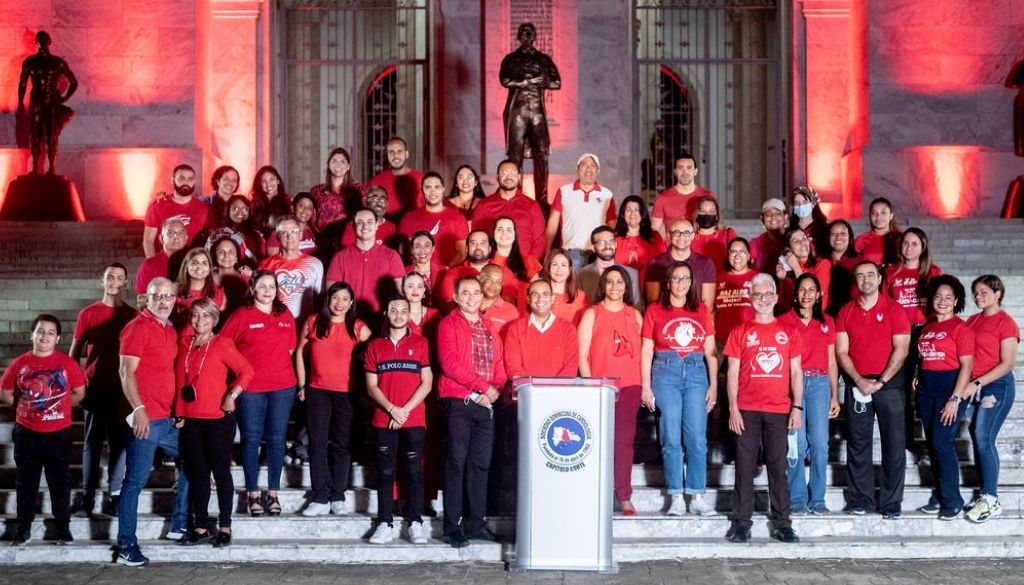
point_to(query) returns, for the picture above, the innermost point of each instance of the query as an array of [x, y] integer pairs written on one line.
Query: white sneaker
[[678, 506], [384, 534], [984, 509], [316, 509], [339, 507], [418, 533], [700, 507]]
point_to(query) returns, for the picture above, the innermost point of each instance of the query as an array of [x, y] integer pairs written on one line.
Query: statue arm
[[72, 80], [552, 79], [512, 78], [22, 85]]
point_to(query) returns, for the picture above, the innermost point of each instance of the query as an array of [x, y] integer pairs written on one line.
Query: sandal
[[273, 506], [256, 505]]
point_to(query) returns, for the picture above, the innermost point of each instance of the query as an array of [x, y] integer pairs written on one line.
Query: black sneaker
[[856, 511], [83, 509], [222, 539], [21, 538], [110, 505], [193, 538], [131, 556], [737, 534], [930, 508], [954, 514], [785, 534], [64, 536], [484, 533], [457, 539], [892, 515]]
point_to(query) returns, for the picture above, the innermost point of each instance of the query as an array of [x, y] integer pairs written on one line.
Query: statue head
[[43, 39], [527, 34]]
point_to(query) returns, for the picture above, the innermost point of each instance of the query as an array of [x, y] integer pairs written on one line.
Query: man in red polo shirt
[[374, 270], [472, 371], [680, 200], [148, 349], [398, 379], [498, 311], [872, 341], [43, 384], [478, 254], [174, 237], [401, 181], [180, 205], [539, 343], [509, 200], [443, 222], [765, 383]]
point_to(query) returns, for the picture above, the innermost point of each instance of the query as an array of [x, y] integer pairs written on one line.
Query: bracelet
[[390, 409], [798, 407], [138, 408], [955, 398]]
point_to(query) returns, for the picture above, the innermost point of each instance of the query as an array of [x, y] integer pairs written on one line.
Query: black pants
[[406, 443], [329, 420], [103, 425], [34, 454], [889, 405], [770, 430], [205, 447], [470, 438]]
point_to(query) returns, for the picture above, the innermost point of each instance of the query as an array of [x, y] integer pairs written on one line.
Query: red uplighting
[[947, 178]]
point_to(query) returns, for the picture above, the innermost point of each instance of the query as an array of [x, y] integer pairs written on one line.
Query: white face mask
[[803, 211]]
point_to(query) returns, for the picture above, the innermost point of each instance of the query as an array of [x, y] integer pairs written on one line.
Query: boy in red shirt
[[43, 384], [766, 389]]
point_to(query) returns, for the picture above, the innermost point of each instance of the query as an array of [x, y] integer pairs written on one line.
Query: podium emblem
[[566, 440]]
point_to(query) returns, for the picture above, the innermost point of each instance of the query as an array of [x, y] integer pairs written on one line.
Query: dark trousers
[[392, 444], [932, 394], [889, 405], [329, 420], [470, 436], [205, 447], [35, 454], [770, 430], [103, 425]]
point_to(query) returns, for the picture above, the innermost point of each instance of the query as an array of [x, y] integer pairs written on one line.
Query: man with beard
[[603, 241], [510, 201], [443, 222], [401, 181], [180, 205], [680, 200], [478, 254]]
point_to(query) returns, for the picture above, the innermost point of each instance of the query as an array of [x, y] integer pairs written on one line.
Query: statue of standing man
[[47, 113], [527, 72]]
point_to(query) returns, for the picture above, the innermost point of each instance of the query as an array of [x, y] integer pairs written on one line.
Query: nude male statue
[[47, 113]]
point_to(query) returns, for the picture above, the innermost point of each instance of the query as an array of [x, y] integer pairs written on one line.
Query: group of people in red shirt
[[485, 295]]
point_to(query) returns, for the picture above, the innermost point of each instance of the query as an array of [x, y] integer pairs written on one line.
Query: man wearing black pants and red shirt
[[872, 340], [764, 373], [43, 384], [472, 370]]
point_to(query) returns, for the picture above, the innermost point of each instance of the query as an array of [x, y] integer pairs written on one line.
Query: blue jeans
[[138, 463], [993, 405], [812, 440], [263, 416], [680, 386], [933, 392]]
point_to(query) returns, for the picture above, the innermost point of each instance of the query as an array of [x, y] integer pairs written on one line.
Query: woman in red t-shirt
[[635, 241], [206, 402], [424, 262], [329, 340], [195, 281], [304, 208], [679, 376], [799, 258], [946, 347], [230, 275], [907, 280], [609, 337], [567, 301], [732, 295], [712, 236], [507, 253], [466, 191], [879, 244], [270, 199], [421, 314], [996, 337], [821, 395]]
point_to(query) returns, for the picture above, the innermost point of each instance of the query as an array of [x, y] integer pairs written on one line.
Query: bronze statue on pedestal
[[47, 113]]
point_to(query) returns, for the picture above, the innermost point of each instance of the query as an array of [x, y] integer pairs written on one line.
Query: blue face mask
[[803, 211]]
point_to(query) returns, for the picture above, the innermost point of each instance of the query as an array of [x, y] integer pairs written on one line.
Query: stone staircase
[[54, 267]]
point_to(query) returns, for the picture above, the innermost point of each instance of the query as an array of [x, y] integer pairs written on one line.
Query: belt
[[815, 372]]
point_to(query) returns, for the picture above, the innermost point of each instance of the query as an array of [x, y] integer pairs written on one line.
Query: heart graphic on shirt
[[289, 281], [683, 334], [768, 360]]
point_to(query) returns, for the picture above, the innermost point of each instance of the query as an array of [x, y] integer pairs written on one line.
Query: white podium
[[564, 499]]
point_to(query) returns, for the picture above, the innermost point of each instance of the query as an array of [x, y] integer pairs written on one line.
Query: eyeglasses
[[762, 296], [677, 233], [683, 278], [162, 297], [738, 253], [291, 232]]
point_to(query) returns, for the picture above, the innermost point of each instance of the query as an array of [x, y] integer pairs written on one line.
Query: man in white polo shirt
[[578, 208]]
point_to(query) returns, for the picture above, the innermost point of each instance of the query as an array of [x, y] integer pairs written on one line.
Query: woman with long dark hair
[[329, 340], [635, 241], [679, 376], [237, 224], [224, 181], [844, 257], [421, 315], [305, 213], [270, 199], [264, 331], [798, 257], [424, 261], [821, 396], [879, 243], [338, 196], [466, 191], [567, 300]]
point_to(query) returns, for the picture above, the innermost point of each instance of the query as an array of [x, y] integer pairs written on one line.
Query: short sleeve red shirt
[[901, 286], [678, 329], [448, 227], [989, 333], [398, 366], [942, 344], [42, 387], [207, 372], [267, 341], [732, 302], [193, 214], [671, 205], [714, 245], [365, 270], [155, 343], [404, 191], [500, 314], [385, 234], [330, 358], [817, 336], [99, 328], [871, 331], [764, 351]]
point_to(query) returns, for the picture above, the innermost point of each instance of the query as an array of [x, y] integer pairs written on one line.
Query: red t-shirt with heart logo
[[678, 329], [764, 351]]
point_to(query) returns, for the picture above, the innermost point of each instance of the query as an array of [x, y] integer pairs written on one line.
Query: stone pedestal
[[42, 198]]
